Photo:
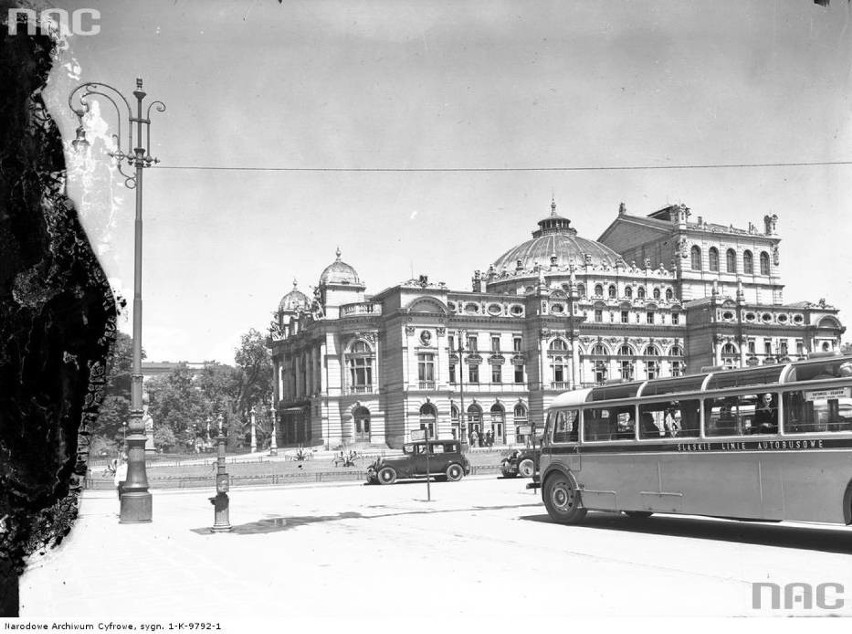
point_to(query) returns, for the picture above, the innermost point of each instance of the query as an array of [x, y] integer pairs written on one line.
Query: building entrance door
[[361, 416]]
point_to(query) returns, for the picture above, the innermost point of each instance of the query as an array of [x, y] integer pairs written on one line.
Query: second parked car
[[445, 460]]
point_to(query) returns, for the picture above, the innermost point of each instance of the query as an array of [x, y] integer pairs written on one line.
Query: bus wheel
[[562, 500], [526, 468], [638, 515], [454, 473], [387, 475]]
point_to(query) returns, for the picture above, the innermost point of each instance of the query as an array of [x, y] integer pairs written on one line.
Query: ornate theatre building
[[654, 296]]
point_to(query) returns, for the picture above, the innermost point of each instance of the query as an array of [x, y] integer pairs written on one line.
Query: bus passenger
[[649, 427], [765, 416]]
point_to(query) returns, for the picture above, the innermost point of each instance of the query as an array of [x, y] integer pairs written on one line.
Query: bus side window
[[809, 411], [596, 424], [565, 428], [720, 417]]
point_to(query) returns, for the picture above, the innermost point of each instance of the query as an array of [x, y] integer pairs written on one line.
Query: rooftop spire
[[338, 254], [553, 205]]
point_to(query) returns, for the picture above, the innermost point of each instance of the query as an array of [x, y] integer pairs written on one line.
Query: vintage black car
[[446, 462], [520, 463]]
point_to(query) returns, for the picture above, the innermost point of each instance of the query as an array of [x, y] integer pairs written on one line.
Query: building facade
[[654, 296]]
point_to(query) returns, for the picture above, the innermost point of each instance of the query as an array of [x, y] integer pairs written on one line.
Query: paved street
[[483, 547]]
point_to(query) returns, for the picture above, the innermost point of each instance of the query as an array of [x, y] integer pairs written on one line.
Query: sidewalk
[[483, 549]]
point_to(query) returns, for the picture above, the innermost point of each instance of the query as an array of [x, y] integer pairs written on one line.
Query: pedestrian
[[120, 474]]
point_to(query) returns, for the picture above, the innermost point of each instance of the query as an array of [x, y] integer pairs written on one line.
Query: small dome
[[555, 242], [294, 301], [338, 272]]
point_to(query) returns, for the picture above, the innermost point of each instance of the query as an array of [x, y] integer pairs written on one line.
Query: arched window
[[640, 293], [628, 292], [676, 351], [474, 418], [652, 351], [656, 293], [714, 259], [731, 261], [612, 292], [581, 290], [625, 351], [520, 412], [695, 258], [498, 416], [558, 345], [748, 263], [669, 294], [729, 348], [598, 290], [599, 349], [428, 417], [360, 360], [764, 263]]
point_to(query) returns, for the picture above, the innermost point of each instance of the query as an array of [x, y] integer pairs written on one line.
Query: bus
[[771, 443]]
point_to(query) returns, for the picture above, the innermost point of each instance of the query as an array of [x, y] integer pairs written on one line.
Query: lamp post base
[[136, 508]]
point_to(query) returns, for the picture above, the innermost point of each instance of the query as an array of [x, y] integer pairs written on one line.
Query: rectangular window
[[426, 367], [517, 342], [669, 419], [472, 344], [675, 318], [361, 372], [452, 374], [650, 317], [625, 317], [496, 374], [800, 347], [519, 374], [767, 346], [677, 368], [473, 373], [609, 423], [751, 346], [451, 343], [652, 369], [495, 344], [598, 315], [818, 410], [782, 347], [741, 415], [627, 370]]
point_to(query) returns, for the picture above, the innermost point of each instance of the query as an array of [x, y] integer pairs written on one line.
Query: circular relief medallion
[[425, 337]]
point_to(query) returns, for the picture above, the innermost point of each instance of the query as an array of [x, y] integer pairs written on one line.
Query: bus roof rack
[[711, 368], [822, 355]]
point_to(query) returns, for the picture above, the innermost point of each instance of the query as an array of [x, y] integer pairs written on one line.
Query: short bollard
[[221, 521]]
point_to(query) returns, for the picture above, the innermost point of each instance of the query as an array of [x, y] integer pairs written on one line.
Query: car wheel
[[526, 467], [454, 473], [387, 475], [562, 499], [638, 515]]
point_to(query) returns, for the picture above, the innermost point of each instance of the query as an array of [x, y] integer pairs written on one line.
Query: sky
[[472, 85]]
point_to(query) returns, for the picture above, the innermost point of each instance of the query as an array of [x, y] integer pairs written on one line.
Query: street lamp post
[[462, 426], [253, 414], [136, 503]]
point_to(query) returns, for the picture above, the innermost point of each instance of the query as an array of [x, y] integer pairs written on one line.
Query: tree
[[115, 409]]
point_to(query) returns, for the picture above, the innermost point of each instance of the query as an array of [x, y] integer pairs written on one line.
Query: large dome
[[555, 237], [338, 272], [294, 301]]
